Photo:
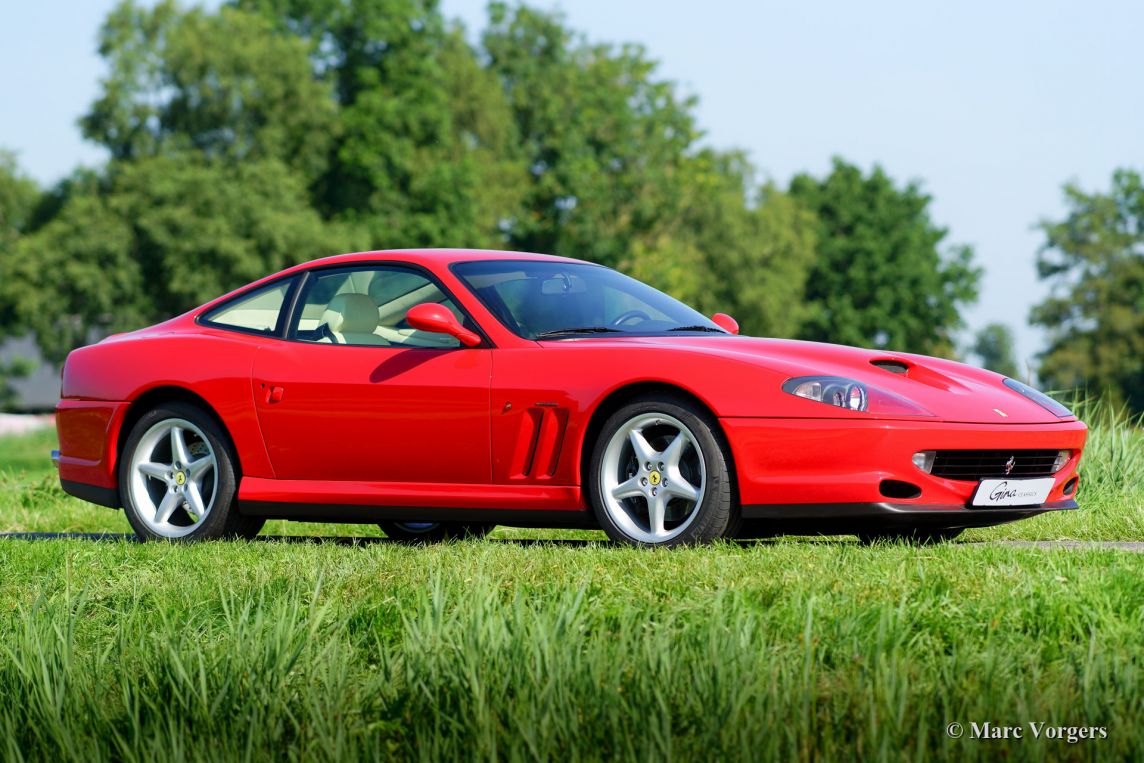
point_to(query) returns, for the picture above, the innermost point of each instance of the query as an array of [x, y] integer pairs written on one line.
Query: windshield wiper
[[581, 330], [698, 328]]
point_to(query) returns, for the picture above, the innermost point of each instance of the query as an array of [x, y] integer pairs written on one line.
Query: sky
[[991, 106]]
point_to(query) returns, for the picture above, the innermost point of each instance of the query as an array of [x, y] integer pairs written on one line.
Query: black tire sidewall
[[444, 531], [223, 519], [717, 515]]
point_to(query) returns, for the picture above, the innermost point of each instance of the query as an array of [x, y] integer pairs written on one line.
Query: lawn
[[546, 644]]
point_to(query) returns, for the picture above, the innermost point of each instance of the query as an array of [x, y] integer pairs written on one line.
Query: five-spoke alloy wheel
[[659, 474], [174, 478], [177, 479]]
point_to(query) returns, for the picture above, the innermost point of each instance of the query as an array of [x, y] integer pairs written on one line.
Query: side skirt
[[358, 514]]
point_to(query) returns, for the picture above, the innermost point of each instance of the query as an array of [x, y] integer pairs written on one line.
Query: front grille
[[974, 465]]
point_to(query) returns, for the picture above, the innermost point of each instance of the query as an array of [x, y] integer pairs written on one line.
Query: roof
[[435, 256], [438, 258]]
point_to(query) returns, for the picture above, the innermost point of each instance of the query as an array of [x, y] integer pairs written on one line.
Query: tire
[[689, 487], [917, 535], [433, 532], [156, 481]]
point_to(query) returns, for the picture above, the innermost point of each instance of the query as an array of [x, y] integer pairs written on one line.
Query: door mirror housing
[[429, 316], [725, 322]]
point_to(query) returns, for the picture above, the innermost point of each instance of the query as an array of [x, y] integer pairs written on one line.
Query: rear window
[[256, 312]]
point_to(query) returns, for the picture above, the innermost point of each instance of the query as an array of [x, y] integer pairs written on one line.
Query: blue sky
[[992, 105]]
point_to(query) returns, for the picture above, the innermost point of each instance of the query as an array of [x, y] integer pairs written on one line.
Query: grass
[[546, 644]]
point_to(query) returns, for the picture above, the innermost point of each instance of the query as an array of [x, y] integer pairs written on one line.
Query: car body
[[327, 419]]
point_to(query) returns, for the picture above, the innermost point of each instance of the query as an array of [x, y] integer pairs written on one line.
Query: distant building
[[40, 390]]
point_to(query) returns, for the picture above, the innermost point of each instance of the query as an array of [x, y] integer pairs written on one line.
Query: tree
[[880, 279], [1094, 263], [426, 149], [18, 197], [993, 347], [606, 144], [223, 85], [720, 253], [151, 239]]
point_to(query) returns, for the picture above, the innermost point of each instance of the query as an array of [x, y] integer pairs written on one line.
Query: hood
[[952, 392]]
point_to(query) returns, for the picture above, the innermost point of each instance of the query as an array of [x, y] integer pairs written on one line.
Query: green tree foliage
[[1094, 261], [605, 143], [224, 85], [18, 198], [153, 238], [720, 253], [994, 348], [880, 279], [426, 151]]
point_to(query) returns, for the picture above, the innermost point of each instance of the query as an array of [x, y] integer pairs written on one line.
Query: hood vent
[[893, 366]]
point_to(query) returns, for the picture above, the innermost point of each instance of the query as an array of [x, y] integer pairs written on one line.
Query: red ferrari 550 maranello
[[441, 392]]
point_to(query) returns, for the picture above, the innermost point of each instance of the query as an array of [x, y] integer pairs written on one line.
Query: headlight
[[833, 390], [1040, 398], [851, 395]]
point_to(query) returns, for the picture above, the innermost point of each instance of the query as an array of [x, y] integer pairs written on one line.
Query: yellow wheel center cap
[[654, 478], [180, 478]]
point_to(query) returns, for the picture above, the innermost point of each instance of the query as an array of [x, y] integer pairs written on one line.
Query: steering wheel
[[627, 315]]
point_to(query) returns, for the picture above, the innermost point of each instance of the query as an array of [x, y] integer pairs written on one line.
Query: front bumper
[[842, 518], [800, 464]]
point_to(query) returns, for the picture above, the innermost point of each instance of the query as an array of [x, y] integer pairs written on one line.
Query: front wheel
[[433, 532], [660, 475]]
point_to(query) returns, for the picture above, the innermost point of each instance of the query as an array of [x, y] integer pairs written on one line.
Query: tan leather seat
[[351, 319]]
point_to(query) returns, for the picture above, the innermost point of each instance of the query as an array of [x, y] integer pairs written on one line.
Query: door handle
[[274, 394]]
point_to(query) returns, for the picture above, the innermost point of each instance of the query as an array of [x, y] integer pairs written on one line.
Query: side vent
[[893, 366], [540, 442]]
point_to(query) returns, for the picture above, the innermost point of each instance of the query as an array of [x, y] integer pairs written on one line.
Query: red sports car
[[441, 392]]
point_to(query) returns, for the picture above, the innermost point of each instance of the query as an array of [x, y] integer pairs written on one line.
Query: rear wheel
[[177, 478], [433, 532], [916, 535], [660, 475]]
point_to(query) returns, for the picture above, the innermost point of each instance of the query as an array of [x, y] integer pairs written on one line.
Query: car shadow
[[343, 540]]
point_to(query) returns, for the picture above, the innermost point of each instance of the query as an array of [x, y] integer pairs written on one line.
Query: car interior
[[352, 307], [367, 307]]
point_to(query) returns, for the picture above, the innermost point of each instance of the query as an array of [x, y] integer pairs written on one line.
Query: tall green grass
[[1114, 454], [519, 647], [481, 651]]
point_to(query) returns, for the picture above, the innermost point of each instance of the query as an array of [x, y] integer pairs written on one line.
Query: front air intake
[[899, 489], [893, 366], [973, 465]]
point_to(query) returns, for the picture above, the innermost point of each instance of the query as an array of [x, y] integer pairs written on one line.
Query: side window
[[366, 307], [255, 312]]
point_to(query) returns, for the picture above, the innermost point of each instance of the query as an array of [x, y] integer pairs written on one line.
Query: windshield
[[555, 300]]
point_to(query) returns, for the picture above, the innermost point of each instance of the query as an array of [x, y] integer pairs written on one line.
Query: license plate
[[1012, 492]]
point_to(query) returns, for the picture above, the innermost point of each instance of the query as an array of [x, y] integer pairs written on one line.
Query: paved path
[[1133, 546], [1120, 545], [20, 423]]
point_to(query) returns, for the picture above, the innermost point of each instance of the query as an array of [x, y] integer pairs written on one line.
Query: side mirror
[[725, 322], [429, 316]]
